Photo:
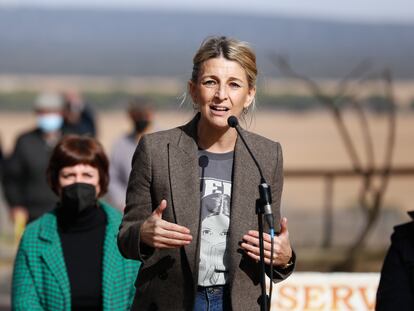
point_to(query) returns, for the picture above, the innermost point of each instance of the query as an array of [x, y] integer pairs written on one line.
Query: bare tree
[[370, 197]]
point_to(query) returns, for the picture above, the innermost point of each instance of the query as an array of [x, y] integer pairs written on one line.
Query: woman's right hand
[[158, 233]]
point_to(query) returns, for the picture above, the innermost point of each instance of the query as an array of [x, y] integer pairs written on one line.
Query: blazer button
[[163, 275]]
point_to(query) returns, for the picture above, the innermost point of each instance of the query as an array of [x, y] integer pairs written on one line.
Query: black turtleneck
[[82, 244]]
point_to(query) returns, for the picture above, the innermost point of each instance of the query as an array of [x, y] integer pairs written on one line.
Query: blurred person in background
[[68, 258], [78, 115], [190, 214], [141, 116], [396, 286], [24, 181], [1, 159]]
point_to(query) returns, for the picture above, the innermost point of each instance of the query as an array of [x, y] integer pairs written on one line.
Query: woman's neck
[[216, 140]]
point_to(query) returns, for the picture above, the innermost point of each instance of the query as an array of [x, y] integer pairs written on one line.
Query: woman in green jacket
[[68, 258]]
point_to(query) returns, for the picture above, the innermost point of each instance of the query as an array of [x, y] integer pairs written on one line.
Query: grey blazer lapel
[[246, 179], [185, 187]]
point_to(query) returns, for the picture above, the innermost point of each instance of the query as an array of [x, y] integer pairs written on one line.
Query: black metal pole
[[261, 204], [263, 298]]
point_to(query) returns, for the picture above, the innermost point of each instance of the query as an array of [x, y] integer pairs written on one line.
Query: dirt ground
[[309, 140]]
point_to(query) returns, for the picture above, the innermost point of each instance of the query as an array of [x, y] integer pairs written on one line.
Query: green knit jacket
[[40, 280]]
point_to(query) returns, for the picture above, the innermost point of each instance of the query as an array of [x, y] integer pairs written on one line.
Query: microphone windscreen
[[203, 161], [232, 121]]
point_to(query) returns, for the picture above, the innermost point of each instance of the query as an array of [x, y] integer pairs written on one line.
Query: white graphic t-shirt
[[215, 188]]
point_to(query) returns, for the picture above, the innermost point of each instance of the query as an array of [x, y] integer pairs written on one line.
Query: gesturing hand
[[158, 233], [282, 251]]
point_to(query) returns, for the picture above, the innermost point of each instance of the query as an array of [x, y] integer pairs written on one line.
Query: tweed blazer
[[165, 166], [40, 280]]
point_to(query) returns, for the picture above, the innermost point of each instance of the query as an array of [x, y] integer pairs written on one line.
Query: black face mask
[[76, 198], [141, 125]]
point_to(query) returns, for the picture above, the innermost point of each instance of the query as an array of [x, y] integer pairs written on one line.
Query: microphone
[[203, 163], [264, 188], [232, 121]]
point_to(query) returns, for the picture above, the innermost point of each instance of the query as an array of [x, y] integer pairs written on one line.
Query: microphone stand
[[260, 212], [263, 208]]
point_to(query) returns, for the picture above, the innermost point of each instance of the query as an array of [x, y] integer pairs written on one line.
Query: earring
[[195, 106], [245, 110]]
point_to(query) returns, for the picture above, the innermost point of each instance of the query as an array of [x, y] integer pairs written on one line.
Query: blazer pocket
[[159, 269]]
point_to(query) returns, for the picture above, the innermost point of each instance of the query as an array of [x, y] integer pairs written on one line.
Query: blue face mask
[[49, 122]]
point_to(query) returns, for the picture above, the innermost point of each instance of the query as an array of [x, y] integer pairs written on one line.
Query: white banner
[[326, 291]]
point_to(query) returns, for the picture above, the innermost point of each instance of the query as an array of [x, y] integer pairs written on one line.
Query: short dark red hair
[[73, 150]]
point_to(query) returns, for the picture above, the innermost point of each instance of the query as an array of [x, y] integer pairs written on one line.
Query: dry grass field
[[309, 140]]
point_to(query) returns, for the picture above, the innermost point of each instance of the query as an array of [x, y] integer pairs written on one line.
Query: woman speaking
[[190, 210]]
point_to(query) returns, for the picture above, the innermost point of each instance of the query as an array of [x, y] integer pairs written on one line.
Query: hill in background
[[150, 43]]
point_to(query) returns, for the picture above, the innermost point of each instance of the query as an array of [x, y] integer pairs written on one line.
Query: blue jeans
[[213, 298]]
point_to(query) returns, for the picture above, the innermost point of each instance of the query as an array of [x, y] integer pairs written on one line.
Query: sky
[[346, 10]]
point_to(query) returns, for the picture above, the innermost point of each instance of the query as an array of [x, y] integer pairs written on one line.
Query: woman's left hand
[[282, 251]]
